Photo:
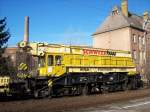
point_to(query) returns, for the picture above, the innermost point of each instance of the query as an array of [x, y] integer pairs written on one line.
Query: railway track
[[69, 103]]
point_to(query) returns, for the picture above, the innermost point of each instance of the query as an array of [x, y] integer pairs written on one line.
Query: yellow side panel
[[4, 84], [58, 71], [107, 62], [75, 62], [67, 60], [42, 71], [96, 62], [81, 63], [4, 81], [113, 62], [84, 62], [103, 61]]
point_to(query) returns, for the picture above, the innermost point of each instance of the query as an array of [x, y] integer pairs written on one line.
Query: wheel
[[36, 94], [85, 90], [104, 89], [124, 86]]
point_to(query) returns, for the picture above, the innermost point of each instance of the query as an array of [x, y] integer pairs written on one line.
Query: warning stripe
[[22, 66]]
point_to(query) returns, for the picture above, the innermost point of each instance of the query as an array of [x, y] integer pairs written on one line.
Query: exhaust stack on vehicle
[[26, 31]]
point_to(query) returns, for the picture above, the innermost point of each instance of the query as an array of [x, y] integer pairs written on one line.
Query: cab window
[[41, 61], [50, 60], [58, 60]]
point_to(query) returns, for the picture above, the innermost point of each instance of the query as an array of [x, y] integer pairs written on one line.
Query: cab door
[[59, 65], [55, 66], [42, 65], [50, 64]]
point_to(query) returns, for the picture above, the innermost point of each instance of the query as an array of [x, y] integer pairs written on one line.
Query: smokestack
[[124, 7], [145, 16], [26, 31]]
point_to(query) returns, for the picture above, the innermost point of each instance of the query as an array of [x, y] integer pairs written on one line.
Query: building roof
[[118, 20], [11, 50]]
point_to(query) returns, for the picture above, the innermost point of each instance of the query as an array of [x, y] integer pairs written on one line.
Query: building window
[[58, 60], [143, 40], [134, 54], [141, 58], [41, 61], [134, 38], [13, 57], [50, 60], [144, 56], [140, 42], [140, 39]]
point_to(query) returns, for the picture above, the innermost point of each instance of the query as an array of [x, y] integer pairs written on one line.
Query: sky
[[61, 21]]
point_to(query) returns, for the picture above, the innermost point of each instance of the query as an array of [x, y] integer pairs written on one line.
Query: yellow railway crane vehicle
[[72, 70], [44, 69], [55, 60]]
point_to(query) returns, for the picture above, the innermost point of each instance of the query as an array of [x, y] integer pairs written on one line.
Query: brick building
[[124, 30], [11, 52]]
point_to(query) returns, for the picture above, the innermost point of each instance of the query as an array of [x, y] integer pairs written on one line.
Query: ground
[[68, 104]]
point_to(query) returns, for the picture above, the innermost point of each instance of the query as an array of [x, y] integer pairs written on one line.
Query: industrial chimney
[[26, 31], [124, 7], [145, 16]]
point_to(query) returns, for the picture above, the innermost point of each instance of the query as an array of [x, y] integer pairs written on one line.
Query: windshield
[[50, 60], [41, 61], [58, 60]]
